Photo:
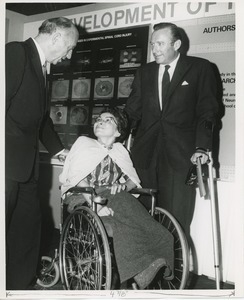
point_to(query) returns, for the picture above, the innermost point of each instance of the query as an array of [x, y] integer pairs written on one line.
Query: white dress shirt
[[40, 52]]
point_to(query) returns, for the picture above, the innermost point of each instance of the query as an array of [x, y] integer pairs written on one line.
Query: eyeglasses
[[107, 120]]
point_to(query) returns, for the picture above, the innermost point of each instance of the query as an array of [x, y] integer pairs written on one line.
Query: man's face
[[163, 47], [63, 43]]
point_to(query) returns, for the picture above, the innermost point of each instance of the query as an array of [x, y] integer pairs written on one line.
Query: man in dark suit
[[176, 108], [27, 121]]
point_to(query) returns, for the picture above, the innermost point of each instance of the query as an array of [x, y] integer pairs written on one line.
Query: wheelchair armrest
[[89, 190], [76, 189], [144, 191]]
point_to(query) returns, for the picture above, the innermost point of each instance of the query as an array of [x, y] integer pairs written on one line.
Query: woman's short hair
[[121, 120]]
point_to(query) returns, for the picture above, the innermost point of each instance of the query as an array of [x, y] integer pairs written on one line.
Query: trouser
[[173, 194], [23, 231]]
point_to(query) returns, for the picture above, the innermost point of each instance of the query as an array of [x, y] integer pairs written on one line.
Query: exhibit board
[[99, 74]]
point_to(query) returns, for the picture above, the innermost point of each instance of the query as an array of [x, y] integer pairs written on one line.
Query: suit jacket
[[27, 117], [187, 115]]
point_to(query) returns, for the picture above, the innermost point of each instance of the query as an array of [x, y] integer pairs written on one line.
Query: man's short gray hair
[[49, 26]]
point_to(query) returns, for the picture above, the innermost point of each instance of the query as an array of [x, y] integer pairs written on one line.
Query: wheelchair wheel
[[49, 272], [181, 252], [84, 253]]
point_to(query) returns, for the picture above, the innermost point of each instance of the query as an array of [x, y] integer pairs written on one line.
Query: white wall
[[14, 26]]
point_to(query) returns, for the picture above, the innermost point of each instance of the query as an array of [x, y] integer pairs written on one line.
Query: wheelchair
[[85, 257]]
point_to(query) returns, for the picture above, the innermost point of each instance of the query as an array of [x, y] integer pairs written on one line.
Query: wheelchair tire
[[84, 253], [181, 252], [49, 274]]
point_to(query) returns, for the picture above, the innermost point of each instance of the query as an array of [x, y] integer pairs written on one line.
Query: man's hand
[[62, 155], [204, 158]]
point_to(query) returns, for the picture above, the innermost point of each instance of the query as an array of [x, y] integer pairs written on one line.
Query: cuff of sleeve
[[60, 152], [201, 150]]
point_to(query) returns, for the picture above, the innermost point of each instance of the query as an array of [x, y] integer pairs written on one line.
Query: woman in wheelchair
[[143, 248]]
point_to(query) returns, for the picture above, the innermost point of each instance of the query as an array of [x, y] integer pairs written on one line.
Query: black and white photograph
[[60, 90], [81, 88], [104, 87], [122, 150], [78, 115]]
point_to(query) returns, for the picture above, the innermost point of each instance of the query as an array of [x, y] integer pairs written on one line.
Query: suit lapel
[[181, 68], [36, 63]]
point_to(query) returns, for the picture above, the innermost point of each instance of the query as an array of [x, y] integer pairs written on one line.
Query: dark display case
[[99, 74]]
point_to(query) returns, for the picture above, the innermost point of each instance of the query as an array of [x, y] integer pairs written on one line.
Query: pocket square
[[185, 83]]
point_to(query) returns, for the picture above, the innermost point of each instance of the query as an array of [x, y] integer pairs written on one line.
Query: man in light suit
[[27, 121], [176, 111]]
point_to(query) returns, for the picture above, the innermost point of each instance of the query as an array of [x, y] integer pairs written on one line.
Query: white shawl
[[86, 154]]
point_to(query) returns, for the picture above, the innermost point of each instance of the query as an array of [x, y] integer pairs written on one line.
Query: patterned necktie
[[105, 170], [165, 83]]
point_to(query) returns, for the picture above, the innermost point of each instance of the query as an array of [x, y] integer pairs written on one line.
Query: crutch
[[213, 212]]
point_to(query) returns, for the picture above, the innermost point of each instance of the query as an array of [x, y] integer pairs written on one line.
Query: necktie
[[165, 83], [44, 68], [44, 71]]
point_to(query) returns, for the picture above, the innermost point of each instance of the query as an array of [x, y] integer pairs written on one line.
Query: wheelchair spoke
[[82, 251], [181, 252]]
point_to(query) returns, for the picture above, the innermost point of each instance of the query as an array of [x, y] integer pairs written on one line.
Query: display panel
[[104, 88], [79, 115], [60, 89], [124, 86], [59, 115], [81, 89], [99, 74]]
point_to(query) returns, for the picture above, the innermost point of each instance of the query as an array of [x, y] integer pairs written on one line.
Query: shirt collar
[[172, 64], [40, 52]]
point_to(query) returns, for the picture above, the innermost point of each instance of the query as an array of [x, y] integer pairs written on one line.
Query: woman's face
[[106, 126]]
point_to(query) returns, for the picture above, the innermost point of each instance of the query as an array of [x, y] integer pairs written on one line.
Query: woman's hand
[[117, 187], [105, 211]]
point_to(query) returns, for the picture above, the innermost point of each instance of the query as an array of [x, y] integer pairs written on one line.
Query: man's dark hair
[[174, 30], [121, 120], [49, 26]]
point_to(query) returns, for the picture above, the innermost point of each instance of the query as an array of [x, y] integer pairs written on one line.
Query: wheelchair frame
[[84, 259]]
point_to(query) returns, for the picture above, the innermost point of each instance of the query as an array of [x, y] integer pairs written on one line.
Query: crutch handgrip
[[200, 178]]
